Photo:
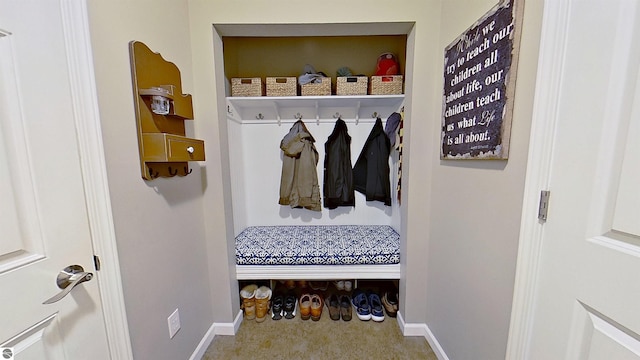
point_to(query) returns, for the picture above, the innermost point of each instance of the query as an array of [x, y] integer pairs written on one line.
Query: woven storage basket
[[317, 89], [246, 86], [386, 85], [282, 86], [351, 85]]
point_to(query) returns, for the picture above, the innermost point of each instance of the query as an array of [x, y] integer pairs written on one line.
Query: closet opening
[[255, 126]]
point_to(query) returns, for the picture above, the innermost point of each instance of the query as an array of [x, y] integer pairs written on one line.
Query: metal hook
[[173, 173], [298, 116], [337, 115], [375, 114], [153, 176], [187, 172], [259, 116]]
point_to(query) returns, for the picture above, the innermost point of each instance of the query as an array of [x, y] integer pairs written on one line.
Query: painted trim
[[229, 329], [435, 345], [317, 272], [421, 329], [216, 329], [91, 151], [204, 343], [553, 44]]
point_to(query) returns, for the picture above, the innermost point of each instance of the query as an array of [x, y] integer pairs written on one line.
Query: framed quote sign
[[479, 85]]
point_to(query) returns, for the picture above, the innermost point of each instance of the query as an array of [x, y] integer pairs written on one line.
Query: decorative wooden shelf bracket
[[161, 109]]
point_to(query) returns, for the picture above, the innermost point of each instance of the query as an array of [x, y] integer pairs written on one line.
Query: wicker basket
[[386, 85], [351, 85], [317, 89], [282, 86], [246, 86]]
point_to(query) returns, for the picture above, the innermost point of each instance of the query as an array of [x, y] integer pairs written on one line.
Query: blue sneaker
[[361, 305], [377, 313]]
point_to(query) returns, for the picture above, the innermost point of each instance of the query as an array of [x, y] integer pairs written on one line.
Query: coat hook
[[187, 172], [375, 114], [173, 173], [259, 116], [337, 115], [298, 116], [153, 176]]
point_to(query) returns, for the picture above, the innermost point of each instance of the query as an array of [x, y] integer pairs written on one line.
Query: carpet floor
[[324, 339]]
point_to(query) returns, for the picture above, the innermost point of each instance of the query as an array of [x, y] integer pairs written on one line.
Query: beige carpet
[[325, 339]]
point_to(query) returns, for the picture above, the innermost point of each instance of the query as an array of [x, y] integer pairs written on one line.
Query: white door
[[43, 215], [587, 304]]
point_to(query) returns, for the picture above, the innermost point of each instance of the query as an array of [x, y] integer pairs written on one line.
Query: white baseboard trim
[[421, 329], [228, 328], [216, 329]]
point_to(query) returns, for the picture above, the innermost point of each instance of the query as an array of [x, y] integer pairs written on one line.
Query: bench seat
[[318, 252]]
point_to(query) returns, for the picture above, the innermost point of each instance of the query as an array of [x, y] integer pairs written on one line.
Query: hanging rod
[[308, 121]]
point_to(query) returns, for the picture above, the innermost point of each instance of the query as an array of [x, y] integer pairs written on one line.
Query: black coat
[[371, 173], [338, 177]]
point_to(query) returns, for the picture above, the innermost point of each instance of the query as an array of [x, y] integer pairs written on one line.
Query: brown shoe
[[316, 307], [305, 306], [263, 295], [333, 304], [390, 303], [345, 307], [290, 284], [247, 294]]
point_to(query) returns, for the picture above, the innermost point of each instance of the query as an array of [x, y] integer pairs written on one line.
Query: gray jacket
[[299, 182]]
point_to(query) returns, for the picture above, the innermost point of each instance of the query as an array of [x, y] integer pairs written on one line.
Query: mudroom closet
[[257, 123]]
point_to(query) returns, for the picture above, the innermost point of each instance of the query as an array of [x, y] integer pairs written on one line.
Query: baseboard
[[216, 329], [422, 330]]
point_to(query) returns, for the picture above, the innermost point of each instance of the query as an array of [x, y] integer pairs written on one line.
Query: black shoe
[[289, 307], [276, 307]]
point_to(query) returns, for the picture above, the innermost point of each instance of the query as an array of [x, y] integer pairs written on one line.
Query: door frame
[[94, 173], [549, 81], [553, 43]]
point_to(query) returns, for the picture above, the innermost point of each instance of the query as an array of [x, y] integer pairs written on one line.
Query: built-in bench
[[318, 252]]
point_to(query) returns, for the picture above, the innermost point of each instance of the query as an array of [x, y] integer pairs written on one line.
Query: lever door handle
[[67, 279]]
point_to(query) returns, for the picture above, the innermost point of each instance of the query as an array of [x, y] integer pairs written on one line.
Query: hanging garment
[[371, 172], [299, 181], [338, 176], [399, 147], [391, 128]]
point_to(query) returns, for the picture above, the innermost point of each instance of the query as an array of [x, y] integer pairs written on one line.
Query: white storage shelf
[[265, 109], [257, 176]]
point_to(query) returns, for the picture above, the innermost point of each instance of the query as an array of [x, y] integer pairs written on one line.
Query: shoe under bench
[[317, 252]]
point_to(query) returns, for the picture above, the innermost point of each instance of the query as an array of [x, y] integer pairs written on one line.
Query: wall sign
[[479, 85]]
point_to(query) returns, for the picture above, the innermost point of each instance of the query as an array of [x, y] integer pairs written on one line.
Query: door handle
[[68, 278]]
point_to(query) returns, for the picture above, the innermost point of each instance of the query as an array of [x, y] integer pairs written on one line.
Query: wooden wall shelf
[[163, 146]]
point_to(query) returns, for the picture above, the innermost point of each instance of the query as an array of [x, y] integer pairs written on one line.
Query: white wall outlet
[[174, 323]]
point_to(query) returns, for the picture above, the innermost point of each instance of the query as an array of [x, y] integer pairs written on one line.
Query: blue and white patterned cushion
[[318, 245]]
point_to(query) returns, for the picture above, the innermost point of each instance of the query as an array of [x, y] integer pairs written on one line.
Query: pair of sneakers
[[367, 306], [343, 285]]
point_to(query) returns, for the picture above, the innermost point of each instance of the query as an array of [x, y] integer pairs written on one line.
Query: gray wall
[[475, 214], [175, 236], [159, 224], [210, 87]]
